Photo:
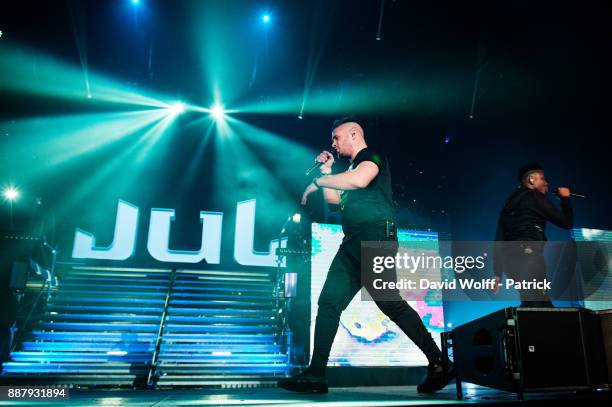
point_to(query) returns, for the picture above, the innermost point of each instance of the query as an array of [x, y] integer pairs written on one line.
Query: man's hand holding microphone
[[326, 159]]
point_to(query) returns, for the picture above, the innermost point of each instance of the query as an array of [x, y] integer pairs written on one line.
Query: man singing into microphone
[[523, 221], [363, 195]]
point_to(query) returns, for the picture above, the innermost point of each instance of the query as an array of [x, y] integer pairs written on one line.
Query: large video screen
[[594, 264], [366, 336]]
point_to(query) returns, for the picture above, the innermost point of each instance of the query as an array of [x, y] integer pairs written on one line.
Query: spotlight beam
[[57, 79]]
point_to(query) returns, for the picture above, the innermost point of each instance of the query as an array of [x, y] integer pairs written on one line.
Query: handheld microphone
[[573, 195], [285, 226], [314, 167]]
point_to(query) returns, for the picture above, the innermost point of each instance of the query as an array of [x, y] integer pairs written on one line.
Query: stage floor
[[346, 396]]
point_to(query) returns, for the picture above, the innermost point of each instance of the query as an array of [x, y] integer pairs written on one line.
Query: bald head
[[348, 139]]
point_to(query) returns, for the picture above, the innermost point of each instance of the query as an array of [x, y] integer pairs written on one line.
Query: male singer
[[363, 195], [523, 222]]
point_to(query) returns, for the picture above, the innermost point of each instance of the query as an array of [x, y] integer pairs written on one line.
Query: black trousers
[[344, 281], [527, 263]]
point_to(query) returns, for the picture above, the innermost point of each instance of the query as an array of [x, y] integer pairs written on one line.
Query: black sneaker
[[305, 382], [436, 378]]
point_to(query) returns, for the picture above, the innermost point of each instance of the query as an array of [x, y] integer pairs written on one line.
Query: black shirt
[[371, 205], [525, 214], [524, 218]]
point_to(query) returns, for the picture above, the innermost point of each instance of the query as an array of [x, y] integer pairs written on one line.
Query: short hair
[[343, 120], [527, 169]]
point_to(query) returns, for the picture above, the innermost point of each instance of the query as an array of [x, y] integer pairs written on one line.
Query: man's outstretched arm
[[563, 218]]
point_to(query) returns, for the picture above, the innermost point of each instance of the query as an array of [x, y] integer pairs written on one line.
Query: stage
[[341, 396]]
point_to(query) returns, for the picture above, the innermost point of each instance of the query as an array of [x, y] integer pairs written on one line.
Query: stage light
[[296, 218], [266, 19], [177, 108], [116, 353], [10, 194], [300, 117], [135, 1], [217, 112]]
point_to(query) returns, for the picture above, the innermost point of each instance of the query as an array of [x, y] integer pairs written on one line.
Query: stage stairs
[[153, 328]]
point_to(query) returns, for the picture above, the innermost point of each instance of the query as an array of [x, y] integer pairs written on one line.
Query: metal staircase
[[154, 327]]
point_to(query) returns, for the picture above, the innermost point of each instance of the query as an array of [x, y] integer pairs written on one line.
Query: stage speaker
[[532, 349], [605, 318]]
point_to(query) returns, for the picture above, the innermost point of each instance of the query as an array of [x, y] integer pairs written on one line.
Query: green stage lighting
[[177, 108], [217, 112], [10, 194]]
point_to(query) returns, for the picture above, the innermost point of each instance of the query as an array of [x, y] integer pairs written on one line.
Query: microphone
[[573, 195], [314, 167], [285, 226]]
